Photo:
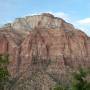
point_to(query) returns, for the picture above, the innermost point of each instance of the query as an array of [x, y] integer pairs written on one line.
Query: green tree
[[4, 74], [80, 82]]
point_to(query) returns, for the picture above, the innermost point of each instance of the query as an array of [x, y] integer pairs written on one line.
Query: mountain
[[42, 50]]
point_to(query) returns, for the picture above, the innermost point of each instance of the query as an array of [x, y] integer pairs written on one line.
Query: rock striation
[[43, 45]]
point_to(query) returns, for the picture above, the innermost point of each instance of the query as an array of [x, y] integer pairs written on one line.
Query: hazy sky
[[76, 12]]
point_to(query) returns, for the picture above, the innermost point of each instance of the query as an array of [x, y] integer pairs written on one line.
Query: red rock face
[[9, 44], [3, 44], [69, 48], [62, 44]]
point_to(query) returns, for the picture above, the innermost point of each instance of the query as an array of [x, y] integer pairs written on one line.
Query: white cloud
[[82, 25], [61, 15], [85, 21]]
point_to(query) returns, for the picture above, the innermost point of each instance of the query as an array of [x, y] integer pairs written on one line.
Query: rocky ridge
[[45, 46]]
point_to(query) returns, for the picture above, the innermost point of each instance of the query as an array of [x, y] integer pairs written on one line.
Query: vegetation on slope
[[79, 81], [4, 74]]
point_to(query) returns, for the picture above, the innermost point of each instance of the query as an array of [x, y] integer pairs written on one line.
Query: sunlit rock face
[[45, 46], [45, 20]]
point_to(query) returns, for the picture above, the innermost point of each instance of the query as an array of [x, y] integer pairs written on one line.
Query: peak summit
[[45, 20], [48, 14]]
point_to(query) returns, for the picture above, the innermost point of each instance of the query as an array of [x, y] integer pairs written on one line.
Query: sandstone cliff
[[45, 46]]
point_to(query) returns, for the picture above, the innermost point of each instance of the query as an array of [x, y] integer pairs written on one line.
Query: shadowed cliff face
[[45, 45]]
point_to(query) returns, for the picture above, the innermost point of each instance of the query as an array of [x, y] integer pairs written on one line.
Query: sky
[[76, 12]]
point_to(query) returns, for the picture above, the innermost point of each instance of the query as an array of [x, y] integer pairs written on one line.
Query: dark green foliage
[[4, 74], [80, 82], [4, 60]]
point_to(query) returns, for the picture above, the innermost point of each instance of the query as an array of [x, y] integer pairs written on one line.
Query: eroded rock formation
[[45, 45]]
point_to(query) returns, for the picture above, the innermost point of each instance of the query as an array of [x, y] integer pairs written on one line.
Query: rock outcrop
[[43, 45]]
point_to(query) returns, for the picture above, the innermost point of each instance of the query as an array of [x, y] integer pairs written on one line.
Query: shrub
[[79, 81]]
